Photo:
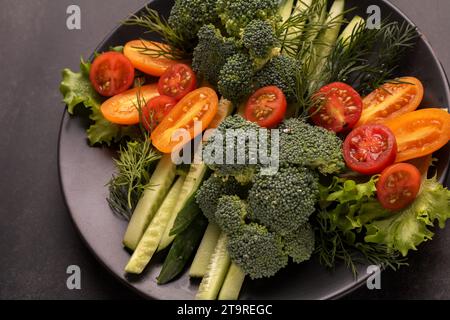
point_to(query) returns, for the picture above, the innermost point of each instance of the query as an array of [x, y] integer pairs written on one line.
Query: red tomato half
[[339, 107], [111, 73], [267, 107], [398, 186], [177, 81], [155, 110], [369, 149]]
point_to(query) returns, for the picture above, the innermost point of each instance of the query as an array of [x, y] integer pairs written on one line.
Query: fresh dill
[[175, 45], [333, 245]]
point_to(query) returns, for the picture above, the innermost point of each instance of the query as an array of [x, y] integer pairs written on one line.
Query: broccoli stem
[[205, 250], [216, 272], [233, 283]]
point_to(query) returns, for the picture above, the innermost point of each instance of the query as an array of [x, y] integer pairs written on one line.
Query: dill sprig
[[370, 57], [175, 45], [333, 245]]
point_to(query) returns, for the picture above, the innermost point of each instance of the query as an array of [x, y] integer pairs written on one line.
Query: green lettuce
[[405, 230], [77, 90]]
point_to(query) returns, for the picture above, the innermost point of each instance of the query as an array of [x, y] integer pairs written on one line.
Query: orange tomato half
[[200, 105], [420, 133], [391, 100], [123, 108], [133, 50]]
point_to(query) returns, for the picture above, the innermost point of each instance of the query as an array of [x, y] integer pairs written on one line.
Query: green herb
[[174, 43], [133, 164]]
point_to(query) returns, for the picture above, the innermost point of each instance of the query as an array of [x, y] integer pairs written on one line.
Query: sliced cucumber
[[296, 32], [182, 249], [205, 251], [152, 236], [190, 186], [354, 26], [150, 201], [233, 283], [217, 270], [285, 9]]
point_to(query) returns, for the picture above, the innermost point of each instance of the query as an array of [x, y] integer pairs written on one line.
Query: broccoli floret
[[260, 40], [257, 251], [230, 214], [188, 16], [213, 188], [284, 201], [235, 79], [311, 146], [212, 52], [300, 244], [236, 14], [242, 138], [281, 72]]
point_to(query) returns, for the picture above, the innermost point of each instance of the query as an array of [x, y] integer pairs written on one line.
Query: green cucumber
[[217, 270], [285, 9], [354, 25], [152, 236], [232, 284], [326, 41], [205, 251], [150, 201], [191, 184], [296, 32], [185, 216], [182, 249], [316, 20]]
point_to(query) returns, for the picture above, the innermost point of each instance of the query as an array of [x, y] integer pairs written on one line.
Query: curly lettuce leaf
[[77, 90], [405, 230]]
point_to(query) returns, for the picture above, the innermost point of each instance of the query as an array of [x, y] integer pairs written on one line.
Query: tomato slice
[[155, 66], [122, 108], [267, 107], [338, 107], [420, 133], [392, 100], [198, 106], [177, 81], [398, 186], [111, 73], [370, 148], [155, 110]]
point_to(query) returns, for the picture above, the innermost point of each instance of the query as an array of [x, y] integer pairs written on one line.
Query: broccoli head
[[236, 14], [260, 40], [212, 52], [284, 201], [230, 214], [281, 72], [300, 244], [187, 16], [212, 189], [240, 138], [235, 79], [257, 251], [311, 146]]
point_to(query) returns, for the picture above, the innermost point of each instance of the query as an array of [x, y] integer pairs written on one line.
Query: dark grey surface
[[38, 240]]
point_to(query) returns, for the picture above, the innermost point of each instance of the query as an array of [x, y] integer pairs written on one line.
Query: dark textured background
[[37, 238]]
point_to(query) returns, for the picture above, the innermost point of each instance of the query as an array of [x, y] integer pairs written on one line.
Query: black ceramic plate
[[84, 171]]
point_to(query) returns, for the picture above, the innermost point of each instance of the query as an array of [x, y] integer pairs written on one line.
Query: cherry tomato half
[[155, 66], [370, 148], [199, 106], [398, 186], [122, 108], [267, 107], [420, 132], [155, 110], [111, 73], [391, 100], [177, 81], [338, 107]]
